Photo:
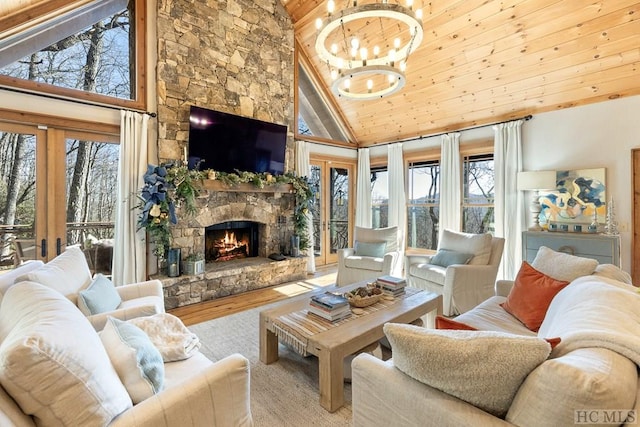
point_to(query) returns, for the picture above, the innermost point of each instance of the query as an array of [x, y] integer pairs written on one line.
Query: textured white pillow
[[52, 361], [613, 272], [137, 361], [477, 244], [483, 368], [67, 273], [562, 266]]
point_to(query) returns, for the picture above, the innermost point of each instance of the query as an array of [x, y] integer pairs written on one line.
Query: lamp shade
[[536, 180]]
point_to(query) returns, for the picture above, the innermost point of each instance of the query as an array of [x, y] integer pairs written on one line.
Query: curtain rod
[[418, 138], [77, 101]]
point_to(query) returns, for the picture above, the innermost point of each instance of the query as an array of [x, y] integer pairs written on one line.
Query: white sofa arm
[[418, 259], [503, 287], [390, 264], [216, 397], [150, 288], [384, 396]]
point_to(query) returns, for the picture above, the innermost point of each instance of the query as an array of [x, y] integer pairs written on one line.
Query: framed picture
[[579, 198]]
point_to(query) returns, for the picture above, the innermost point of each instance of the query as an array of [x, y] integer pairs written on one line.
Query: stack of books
[[390, 285], [329, 306]]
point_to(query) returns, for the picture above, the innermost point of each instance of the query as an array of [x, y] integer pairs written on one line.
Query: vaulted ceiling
[[488, 61], [480, 62]]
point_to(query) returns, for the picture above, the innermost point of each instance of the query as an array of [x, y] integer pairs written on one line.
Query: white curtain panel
[[303, 168], [450, 183], [129, 248], [397, 197], [363, 189], [509, 202]]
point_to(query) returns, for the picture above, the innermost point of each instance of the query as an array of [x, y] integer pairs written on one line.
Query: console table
[[602, 247]]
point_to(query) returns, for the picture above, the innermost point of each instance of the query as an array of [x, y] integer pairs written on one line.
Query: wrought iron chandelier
[[351, 43]]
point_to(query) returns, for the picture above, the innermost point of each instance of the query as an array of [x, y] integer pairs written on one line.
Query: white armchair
[[69, 273], [375, 253], [463, 285]]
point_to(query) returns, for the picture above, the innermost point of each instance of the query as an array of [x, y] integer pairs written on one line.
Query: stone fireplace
[[236, 228]]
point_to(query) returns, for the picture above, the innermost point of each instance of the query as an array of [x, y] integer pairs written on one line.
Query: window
[[423, 204], [380, 197], [479, 194], [90, 52]]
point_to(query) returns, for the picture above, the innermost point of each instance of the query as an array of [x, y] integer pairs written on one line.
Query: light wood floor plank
[[201, 312]]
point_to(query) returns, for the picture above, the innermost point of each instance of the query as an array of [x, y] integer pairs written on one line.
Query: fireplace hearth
[[231, 240]]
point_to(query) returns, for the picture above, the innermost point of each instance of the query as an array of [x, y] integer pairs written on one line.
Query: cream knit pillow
[[483, 368], [562, 266]]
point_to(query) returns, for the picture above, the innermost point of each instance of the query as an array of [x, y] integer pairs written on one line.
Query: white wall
[[592, 136]]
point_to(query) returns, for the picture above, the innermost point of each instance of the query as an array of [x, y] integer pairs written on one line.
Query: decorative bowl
[[364, 296]]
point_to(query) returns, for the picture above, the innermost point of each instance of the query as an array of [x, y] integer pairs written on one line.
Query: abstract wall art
[[579, 194]]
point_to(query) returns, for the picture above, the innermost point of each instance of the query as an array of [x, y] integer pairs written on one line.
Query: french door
[[59, 190], [332, 184]]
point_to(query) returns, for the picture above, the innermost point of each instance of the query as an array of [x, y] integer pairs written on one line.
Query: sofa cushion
[[495, 363], [562, 266], [477, 244], [99, 297], [389, 235], [67, 273], [8, 279], [137, 361], [588, 378], [446, 257], [52, 361], [531, 295], [364, 263], [490, 316], [372, 249]]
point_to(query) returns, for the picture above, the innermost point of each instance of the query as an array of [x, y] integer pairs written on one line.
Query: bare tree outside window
[[423, 204], [479, 194]]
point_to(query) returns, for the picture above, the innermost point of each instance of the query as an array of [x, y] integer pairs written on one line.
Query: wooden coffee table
[[332, 344]]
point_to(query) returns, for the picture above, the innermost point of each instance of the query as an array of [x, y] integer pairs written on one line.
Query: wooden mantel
[[246, 187]]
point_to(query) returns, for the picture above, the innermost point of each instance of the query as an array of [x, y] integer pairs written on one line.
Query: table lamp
[[536, 181]]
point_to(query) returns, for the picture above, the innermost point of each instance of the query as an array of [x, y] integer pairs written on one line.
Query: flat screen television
[[227, 142]]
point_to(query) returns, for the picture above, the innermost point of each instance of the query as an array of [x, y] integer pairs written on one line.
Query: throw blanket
[[170, 336], [595, 312]]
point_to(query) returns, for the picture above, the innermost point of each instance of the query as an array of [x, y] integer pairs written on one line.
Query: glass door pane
[[91, 175], [339, 209], [18, 197], [315, 178]]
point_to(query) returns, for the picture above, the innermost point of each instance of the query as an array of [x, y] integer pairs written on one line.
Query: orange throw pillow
[[446, 323], [531, 295]]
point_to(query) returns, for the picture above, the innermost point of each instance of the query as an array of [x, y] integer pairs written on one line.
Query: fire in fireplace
[[231, 240]]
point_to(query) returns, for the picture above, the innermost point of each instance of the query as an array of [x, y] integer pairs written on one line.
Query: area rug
[[284, 393]]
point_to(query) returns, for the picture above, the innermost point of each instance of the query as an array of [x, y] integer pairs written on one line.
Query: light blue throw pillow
[[445, 258], [99, 297], [137, 361], [372, 249]]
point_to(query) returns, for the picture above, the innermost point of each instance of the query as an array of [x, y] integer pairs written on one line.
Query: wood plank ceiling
[[488, 61]]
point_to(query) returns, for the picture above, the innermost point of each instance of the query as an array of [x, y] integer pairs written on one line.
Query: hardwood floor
[[201, 312]]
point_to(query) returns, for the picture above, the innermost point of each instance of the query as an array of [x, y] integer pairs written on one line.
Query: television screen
[[226, 142]]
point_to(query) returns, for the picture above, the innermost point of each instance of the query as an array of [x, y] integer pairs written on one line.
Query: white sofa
[[69, 273], [56, 370], [584, 376]]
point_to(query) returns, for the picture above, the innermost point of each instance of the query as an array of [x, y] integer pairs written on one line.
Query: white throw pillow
[[99, 297], [67, 273], [477, 244], [483, 368], [52, 361], [613, 272], [562, 266], [137, 361]]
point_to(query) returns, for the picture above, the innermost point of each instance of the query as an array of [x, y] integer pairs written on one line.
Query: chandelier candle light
[[351, 43]]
